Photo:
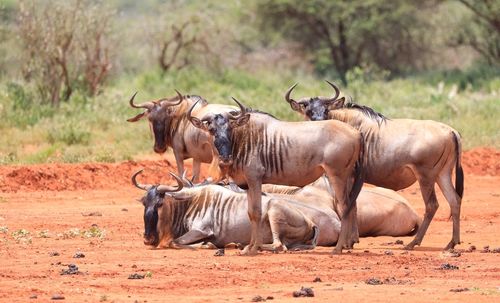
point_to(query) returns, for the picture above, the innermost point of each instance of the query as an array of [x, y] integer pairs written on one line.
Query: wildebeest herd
[[277, 185]]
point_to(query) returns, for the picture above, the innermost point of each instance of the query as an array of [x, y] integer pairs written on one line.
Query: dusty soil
[[91, 209]]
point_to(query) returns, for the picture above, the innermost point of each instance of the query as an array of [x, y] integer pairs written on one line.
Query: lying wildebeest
[[217, 216], [380, 211], [255, 148], [168, 123], [176, 217], [399, 152]]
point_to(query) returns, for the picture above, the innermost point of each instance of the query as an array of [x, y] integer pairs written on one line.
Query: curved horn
[[138, 185], [242, 108], [146, 105], [337, 91], [190, 118], [181, 98], [288, 92], [168, 189]]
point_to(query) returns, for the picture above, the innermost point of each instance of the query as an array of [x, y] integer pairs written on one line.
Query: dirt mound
[[482, 161], [64, 176]]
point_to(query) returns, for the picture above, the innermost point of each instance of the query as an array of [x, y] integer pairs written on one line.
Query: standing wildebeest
[[380, 211], [255, 148], [168, 123], [399, 152], [177, 217]]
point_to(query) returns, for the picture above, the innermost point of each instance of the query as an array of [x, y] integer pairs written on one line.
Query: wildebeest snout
[[226, 160]]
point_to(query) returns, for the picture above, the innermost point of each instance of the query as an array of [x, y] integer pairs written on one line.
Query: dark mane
[[256, 111], [367, 111], [196, 98]]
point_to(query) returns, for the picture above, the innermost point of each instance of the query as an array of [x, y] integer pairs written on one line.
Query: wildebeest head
[[315, 108], [152, 200], [158, 117], [220, 127]]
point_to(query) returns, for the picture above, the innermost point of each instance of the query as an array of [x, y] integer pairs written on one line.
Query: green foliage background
[[95, 128]]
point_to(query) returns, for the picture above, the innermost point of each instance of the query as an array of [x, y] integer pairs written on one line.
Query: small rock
[[258, 299], [459, 289], [269, 298], [124, 209], [33, 296], [92, 214], [72, 270], [496, 250], [448, 266], [134, 266], [400, 242], [374, 281], [366, 251], [304, 292], [54, 254], [79, 255], [136, 276], [486, 249], [219, 252], [471, 248], [57, 297], [317, 279], [389, 253]]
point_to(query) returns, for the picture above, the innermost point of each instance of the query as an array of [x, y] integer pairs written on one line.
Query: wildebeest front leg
[[180, 162], [254, 196], [196, 170], [431, 206]]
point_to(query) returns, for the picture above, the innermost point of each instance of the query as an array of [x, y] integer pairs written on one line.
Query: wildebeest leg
[[196, 170], [431, 206], [193, 236], [446, 186], [180, 162], [346, 217], [254, 196]]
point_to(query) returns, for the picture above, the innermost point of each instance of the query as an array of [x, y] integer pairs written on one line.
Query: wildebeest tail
[[459, 178], [358, 177]]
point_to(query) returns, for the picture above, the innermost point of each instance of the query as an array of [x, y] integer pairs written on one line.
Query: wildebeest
[[399, 152], [176, 217], [168, 123], [380, 211], [254, 148]]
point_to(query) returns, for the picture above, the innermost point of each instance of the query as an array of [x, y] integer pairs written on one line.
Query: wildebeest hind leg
[[431, 206], [340, 193], [446, 186]]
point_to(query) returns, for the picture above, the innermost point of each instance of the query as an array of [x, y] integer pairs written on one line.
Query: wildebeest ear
[[241, 120], [137, 118], [296, 106], [339, 103], [198, 123]]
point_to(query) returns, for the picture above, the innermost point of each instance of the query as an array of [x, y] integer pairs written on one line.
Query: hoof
[[249, 251], [450, 245], [410, 246], [337, 251]]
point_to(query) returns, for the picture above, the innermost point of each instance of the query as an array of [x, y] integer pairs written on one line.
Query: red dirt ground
[[50, 201]]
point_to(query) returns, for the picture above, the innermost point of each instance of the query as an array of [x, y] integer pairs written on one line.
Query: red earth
[[49, 212]]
